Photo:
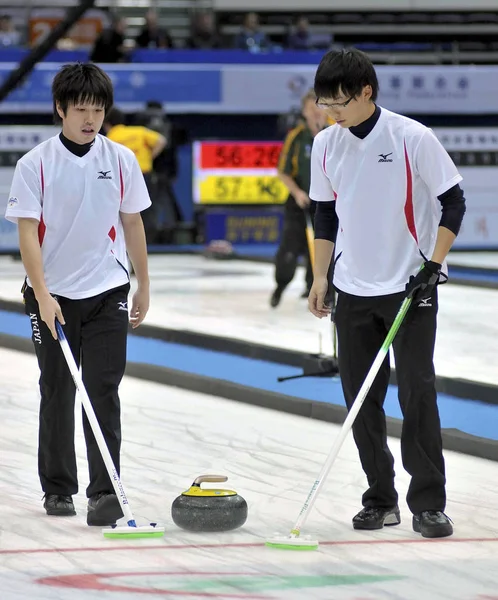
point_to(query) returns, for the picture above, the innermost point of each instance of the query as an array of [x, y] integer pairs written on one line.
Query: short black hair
[[348, 70], [115, 117], [81, 83]]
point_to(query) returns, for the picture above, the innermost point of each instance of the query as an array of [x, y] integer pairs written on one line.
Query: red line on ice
[[134, 548]]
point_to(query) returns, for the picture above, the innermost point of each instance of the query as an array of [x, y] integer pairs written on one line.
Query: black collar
[[77, 149], [363, 129]]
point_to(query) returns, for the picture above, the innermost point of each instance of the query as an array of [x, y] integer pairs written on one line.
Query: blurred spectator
[[153, 36], [288, 120], [204, 34], [304, 39], [109, 46], [8, 34], [294, 170], [301, 38], [167, 213], [251, 37], [146, 145]]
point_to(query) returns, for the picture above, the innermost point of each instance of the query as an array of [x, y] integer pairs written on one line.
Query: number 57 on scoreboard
[[228, 173]]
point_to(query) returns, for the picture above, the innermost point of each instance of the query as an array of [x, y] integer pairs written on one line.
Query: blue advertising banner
[[194, 86], [191, 56], [239, 226], [267, 88]]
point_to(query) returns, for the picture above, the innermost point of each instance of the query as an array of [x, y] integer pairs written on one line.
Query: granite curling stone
[[219, 250], [207, 510]]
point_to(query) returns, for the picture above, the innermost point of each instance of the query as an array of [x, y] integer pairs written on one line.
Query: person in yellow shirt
[[146, 145]]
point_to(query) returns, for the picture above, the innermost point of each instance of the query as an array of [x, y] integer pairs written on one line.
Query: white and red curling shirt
[[385, 187], [77, 201]]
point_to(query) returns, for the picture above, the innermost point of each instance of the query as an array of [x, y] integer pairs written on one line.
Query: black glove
[[421, 285]]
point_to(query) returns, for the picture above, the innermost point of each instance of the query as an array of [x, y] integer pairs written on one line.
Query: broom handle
[[348, 423], [97, 432]]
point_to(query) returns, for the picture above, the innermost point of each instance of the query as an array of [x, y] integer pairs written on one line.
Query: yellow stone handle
[[210, 479]]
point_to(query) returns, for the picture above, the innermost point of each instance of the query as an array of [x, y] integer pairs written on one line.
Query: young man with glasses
[[385, 185]]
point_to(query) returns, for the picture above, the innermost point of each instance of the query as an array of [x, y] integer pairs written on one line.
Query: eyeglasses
[[324, 105]]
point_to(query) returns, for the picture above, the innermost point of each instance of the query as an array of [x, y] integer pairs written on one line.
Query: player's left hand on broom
[[421, 285], [316, 298], [139, 306]]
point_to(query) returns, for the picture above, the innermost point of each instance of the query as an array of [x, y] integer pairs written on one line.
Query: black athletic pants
[[362, 325], [163, 215], [293, 244], [96, 329], [149, 215]]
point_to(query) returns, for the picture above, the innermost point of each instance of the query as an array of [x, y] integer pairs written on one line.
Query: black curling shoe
[[276, 297], [103, 509], [432, 524], [374, 517], [59, 505]]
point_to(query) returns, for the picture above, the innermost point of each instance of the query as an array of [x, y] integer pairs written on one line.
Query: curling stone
[[199, 509], [219, 250]]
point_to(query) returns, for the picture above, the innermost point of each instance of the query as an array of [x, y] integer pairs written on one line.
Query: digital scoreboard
[[237, 173]]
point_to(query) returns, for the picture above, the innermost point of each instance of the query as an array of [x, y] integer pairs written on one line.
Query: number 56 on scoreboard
[[237, 173]]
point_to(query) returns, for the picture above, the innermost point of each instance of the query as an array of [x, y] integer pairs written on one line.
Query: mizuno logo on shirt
[[123, 306], [104, 175], [385, 157]]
